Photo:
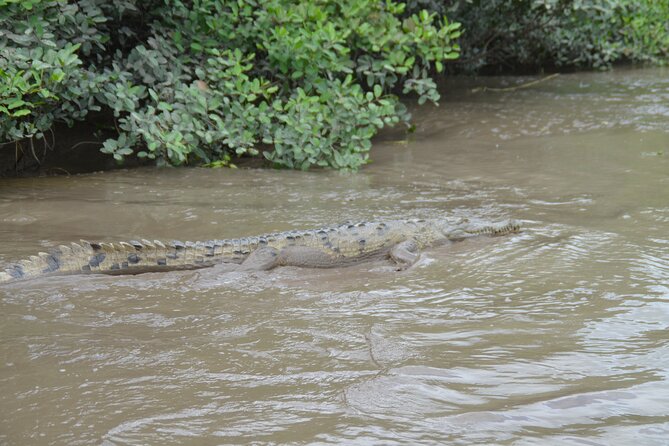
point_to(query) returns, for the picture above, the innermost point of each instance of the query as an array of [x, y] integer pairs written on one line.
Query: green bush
[[599, 33], [302, 82], [42, 78], [505, 35]]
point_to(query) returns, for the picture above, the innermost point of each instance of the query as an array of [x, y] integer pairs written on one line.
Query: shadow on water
[[556, 335]]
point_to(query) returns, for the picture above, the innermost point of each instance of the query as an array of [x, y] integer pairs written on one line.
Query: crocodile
[[345, 244]]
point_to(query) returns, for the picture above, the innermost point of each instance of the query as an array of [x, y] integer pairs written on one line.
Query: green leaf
[[16, 103], [22, 112], [57, 76]]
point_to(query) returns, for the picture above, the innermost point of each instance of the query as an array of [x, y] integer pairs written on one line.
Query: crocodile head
[[469, 229]]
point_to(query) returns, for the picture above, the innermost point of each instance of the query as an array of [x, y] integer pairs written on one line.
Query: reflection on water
[[556, 335]]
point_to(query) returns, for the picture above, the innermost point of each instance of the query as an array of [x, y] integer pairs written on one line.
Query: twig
[[368, 339], [84, 142], [46, 144], [60, 168], [32, 148], [517, 87], [45, 147], [53, 139], [16, 155]]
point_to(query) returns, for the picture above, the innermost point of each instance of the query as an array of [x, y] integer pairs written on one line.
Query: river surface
[[558, 335]]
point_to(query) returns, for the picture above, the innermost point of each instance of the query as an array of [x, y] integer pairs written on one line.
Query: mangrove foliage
[[301, 83]]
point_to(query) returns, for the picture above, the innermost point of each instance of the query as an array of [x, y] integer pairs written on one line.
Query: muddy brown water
[[558, 335]]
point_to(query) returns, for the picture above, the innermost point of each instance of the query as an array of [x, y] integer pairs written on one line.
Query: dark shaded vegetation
[[531, 35], [300, 83]]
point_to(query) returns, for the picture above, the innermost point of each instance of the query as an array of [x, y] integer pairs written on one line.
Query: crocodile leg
[[405, 254], [262, 259]]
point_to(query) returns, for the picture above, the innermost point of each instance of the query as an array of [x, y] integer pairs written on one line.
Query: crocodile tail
[[63, 260], [115, 258]]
